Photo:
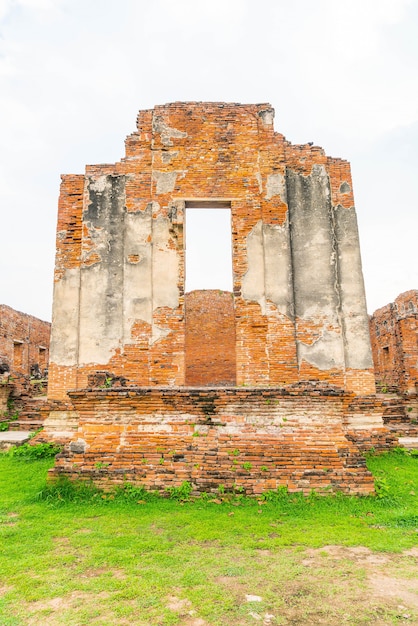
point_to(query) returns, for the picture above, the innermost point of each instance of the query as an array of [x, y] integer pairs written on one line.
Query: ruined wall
[[24, 341], [299, 300], [394, 337]]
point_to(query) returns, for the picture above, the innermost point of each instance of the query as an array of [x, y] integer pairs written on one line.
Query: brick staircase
[[400, 416], [30, 416]]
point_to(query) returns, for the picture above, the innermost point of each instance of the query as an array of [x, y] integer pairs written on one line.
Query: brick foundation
[[252, 439]]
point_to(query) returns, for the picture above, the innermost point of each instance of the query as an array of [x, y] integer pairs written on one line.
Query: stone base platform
[[249, 440]]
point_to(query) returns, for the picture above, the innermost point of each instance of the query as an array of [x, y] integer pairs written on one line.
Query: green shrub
[[30, 452], [131, 493], [181, 493], [64, 490], [382, 487], [279, 495]]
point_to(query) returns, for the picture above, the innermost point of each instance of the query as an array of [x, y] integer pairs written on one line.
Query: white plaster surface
[[165, 266], [64, 332], [276, 186], [137, 277]]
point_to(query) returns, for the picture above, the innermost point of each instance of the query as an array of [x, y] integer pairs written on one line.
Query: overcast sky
[[74, 73]]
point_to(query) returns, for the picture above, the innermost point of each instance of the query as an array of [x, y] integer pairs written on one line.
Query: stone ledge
[[410, 443], [13, 438]]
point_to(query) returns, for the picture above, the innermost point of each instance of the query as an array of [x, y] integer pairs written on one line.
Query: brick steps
[[28, 424], [30, 415], [410, 443]]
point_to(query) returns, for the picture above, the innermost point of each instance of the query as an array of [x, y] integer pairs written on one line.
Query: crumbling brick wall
[[299, 305], [24, 342], [394, 337]]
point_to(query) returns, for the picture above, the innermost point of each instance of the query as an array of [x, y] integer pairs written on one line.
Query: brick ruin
[[159, 386], [24, 343], [394, 339], [24, 356]]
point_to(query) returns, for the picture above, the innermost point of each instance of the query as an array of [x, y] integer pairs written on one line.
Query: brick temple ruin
[[394, 339], [24, 356], [24, 343], [272, 384]]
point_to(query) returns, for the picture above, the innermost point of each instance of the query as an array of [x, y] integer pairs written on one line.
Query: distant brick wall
[[24, 341], [394, 337], [210, 338]]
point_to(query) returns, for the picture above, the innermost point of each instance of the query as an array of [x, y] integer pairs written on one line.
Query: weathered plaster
[[269, 273], [324, 353], [64, 332], [252, 287], [166, 181], [99, 242], [158, 333], [159, 126], [165, 266], [358, 354], [267, 116], [137, 278], [101, 301], [312, 246], [167, 157], [278, 268], [276, 186], [316, 292], [345, 187]]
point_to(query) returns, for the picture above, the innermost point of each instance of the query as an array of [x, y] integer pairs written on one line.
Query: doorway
[[210, 352]]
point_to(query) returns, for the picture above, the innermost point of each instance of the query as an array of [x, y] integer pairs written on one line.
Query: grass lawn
[[79, 558]]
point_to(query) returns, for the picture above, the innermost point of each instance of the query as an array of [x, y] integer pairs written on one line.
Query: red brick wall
[[394, 337], [210, 338], [24, 341]]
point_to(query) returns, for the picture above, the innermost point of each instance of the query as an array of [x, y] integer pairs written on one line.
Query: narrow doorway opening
[[18, 355], [42, 358], [208, 247], [210, 352]]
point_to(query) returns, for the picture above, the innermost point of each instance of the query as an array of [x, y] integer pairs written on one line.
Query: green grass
[[77, 556]]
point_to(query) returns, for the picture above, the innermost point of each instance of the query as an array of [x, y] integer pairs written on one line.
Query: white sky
[[208, 249], [74, 73]]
